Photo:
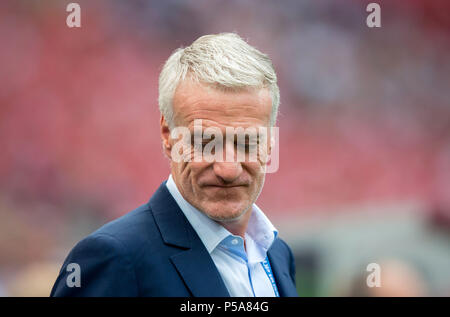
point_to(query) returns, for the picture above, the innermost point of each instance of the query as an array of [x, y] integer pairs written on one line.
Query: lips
[[224, 186]]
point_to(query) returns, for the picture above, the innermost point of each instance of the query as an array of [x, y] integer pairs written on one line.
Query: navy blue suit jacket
[[154, 251]]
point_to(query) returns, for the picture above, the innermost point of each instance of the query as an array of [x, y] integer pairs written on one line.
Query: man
[[201, 233]]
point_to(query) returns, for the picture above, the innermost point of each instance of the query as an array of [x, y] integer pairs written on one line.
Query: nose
[[228, 171]]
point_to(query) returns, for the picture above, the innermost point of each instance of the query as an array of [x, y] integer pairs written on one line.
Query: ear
[[274, 135], [165, 137], [270, 140]]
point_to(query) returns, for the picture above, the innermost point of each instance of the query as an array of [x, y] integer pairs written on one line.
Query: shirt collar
[[211, 233]]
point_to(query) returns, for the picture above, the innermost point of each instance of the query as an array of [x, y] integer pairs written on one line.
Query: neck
[[238, 227]]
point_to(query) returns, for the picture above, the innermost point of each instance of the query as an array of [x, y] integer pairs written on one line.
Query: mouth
[[224, 186]]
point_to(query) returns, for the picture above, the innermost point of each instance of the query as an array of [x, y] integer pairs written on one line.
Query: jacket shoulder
[[132, 228], [106, 258]]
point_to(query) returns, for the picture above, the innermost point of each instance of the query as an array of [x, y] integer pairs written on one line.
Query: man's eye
[[200, 145], [246, 146]]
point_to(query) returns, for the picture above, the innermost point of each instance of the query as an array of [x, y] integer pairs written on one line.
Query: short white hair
[[222, 60]]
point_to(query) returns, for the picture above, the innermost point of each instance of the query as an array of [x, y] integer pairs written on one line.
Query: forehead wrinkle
[[243, 107], [219, 118], [243, 114]]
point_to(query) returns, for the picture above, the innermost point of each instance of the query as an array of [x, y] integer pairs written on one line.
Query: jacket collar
[[193, 262], [280, 266], [171, 222]]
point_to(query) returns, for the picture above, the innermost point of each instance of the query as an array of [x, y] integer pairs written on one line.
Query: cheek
[[197, 168], [254, 169], [255, 172], [259, 173], [193, 172]]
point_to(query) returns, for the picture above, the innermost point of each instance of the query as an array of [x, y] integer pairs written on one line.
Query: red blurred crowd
[[364, 115]]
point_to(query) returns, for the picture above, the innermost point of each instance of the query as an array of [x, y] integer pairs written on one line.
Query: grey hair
[[223, 60]]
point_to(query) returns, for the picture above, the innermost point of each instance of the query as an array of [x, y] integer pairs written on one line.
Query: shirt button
[[234, 241]]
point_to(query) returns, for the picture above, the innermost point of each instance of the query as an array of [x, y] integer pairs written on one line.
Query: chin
[[226, 214]]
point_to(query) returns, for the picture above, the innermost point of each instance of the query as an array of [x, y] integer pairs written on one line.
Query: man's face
[[224, 191]]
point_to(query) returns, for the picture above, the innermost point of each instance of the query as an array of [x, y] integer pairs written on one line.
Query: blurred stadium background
[[364, 126]]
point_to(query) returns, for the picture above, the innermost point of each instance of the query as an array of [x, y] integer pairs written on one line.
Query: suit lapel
[[280, 269], [193, 262], [199, 273]]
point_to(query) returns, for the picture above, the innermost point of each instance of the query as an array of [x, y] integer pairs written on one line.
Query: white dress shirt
[[242, 269]]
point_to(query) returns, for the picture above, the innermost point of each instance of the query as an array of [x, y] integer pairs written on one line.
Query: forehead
[[221, 108]]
